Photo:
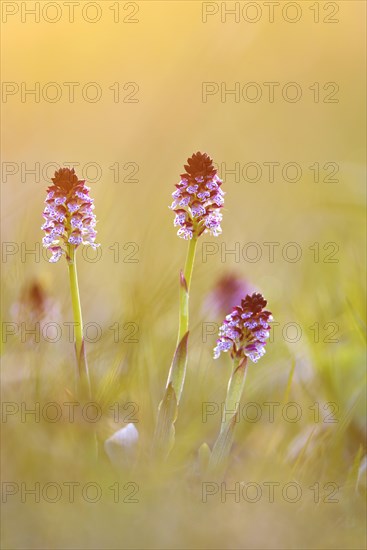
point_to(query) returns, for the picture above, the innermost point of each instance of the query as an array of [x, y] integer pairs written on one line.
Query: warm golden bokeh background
[[169, 52]]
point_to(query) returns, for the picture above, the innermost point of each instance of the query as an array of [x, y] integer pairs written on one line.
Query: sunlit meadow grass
[[176, 507]]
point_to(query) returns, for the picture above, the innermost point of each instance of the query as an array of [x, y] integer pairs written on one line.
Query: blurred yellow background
[[160, 54]]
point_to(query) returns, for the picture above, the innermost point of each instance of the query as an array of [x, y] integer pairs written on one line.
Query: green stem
[[235, 388], [177, 372], [223, 444], [83, 379], [185, 290], [168, 408], [75, 300]]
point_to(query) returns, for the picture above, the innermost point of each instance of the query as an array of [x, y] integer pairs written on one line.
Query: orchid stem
[[164, 436], [185, 289], [234, 393], [223, 444], [177, 376], [83, 373], [83, 381]]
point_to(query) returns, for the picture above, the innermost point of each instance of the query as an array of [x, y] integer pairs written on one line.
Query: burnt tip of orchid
[[200, 163], [65, 179]]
